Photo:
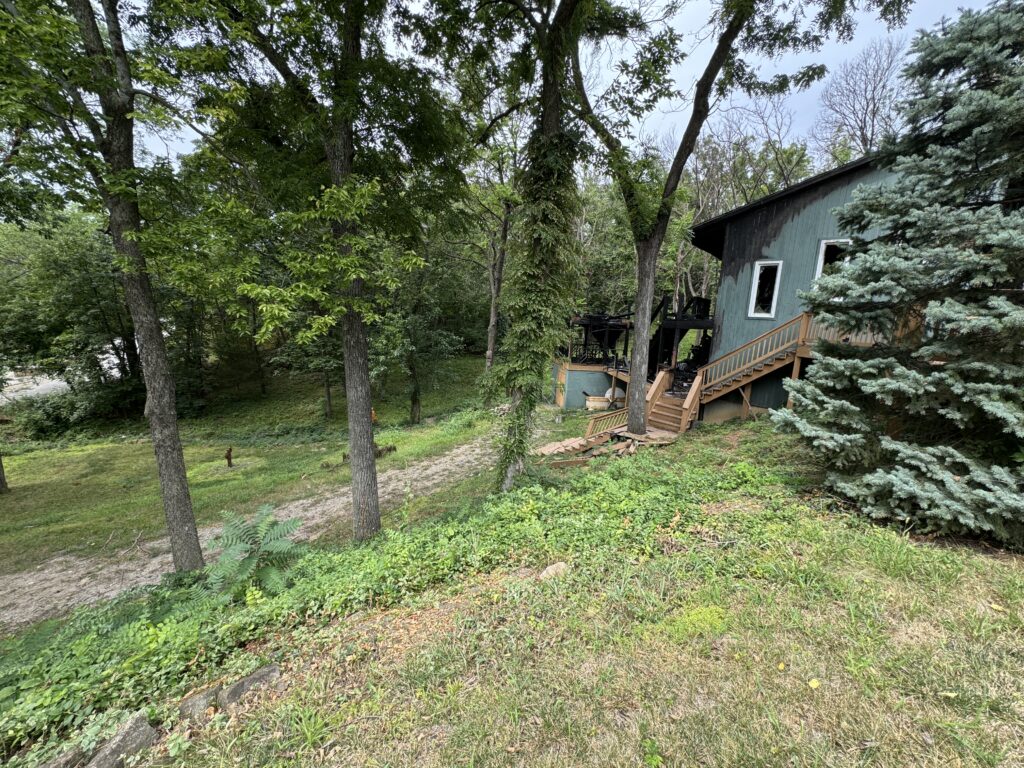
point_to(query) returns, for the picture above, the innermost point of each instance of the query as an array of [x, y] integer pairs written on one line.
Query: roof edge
[[702, 232]]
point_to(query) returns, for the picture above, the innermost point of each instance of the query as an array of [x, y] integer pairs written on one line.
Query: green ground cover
[[96, 493], [717, 610]]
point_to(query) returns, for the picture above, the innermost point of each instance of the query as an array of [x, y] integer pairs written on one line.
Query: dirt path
[[64, 582]]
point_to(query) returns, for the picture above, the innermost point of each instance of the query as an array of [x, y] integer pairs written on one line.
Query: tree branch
[[493, 122], [701, 108], [618, 154]]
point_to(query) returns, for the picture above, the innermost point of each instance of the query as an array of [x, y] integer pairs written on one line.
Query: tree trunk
[[161, 409], [4, 488], [328, 402], [549, 192], [254, 349], [414, 394], [365, 502], [116, 139], [492, 331], [339, 146], [497, 274], [646, 270], [131, 350]]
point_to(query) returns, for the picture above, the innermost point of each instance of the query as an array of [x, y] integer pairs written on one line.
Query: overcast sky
[[691, 20], [924, 15]]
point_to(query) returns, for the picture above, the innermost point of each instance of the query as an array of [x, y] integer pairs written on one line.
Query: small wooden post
[[805, 329], [227, 455], [797, 363]]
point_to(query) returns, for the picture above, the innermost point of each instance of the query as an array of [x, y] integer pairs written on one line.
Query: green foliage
[[922, 426], [62, 307], [540, 283], [254, 553], [63, 414], [164, 641]]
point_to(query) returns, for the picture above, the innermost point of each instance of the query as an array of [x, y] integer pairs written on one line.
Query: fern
[[254, 553]]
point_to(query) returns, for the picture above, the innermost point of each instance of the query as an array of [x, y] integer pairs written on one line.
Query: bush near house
[[926, 427]]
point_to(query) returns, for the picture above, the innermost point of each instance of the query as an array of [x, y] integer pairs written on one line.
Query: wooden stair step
[[667, 411], [667, 425]]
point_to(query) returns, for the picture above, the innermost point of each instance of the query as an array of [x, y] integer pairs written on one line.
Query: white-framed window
[[831, 253], [764, 289]]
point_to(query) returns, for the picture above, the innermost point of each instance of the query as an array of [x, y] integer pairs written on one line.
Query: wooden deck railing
[[816, 331], [661, 382], [606, 420], [787, 338], [691, 403]]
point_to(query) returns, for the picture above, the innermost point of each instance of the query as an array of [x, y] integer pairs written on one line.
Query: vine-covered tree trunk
[[543, 275]]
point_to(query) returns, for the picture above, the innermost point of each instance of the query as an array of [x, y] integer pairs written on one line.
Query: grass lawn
[[763, 626], [95, 495]]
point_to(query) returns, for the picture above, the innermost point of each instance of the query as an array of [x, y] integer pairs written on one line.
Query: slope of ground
[[716, 610], [95, 494], [62, 583]]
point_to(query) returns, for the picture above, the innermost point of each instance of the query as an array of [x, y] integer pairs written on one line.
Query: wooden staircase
[[781, 346]]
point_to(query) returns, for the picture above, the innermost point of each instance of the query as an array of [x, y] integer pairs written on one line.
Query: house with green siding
[[770, 251]]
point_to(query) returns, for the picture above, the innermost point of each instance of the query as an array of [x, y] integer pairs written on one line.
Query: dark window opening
[[764, 293], [833, 257]]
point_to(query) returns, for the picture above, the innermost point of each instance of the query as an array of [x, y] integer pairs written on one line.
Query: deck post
[[805, 328], [797, 363]]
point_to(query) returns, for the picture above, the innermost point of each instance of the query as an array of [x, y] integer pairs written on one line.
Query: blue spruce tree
[[926, 427]]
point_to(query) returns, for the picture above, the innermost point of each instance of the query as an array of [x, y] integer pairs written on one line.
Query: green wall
[[790, 230], [578, 382]]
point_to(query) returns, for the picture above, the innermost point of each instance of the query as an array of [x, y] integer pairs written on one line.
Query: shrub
[[57, 414], [255, 553]]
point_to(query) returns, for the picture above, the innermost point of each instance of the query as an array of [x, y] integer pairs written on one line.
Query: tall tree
[[541, 276], [73, 92], [351, 115], [495, 201], [925, 427], [767, 28], [860, 103], [4, 487]]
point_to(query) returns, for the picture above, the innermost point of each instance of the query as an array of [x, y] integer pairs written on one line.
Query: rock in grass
[[261, 678], [193, 708], [554, 570], [135, 735], [71, 758]]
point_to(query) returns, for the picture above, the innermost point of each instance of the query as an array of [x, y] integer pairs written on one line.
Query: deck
[[788, 344]]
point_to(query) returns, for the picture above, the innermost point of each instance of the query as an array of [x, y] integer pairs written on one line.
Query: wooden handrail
[[767, 345], [657, 389], [802, 330], [787, 338], [691, 402], [606, 420]]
